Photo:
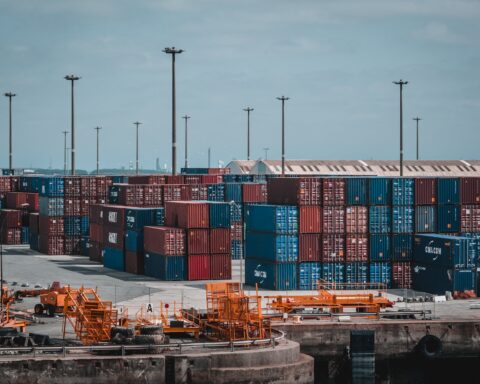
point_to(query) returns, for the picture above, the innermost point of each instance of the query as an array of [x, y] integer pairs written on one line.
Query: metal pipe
[[417, 119], [137, 123], [248, 110], [72, 79], [98, 146], [186, 117], [401, 83], [283, 99], [65, 152], [10, 95]]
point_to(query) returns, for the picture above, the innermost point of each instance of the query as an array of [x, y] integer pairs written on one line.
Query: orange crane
[[51, 299]]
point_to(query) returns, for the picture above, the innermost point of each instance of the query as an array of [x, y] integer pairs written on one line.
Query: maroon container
[[218, 171], [12, 236], [211, 179], [333, 249], [51, 226], [470, 190], [425, 191], [88, 186], [172, 193], [356, 248], [186, 214], [11, 218], [166, 241], [131, 195], [146, 179], [6, 184], [96, 232], [52, 245], [153, 195], [114, 216], [134, 262], [294, 191], [33, 202], [95, 213], [174, 179], [333, 191], [199, 192], [334, 220], [220, 240], [113, 237], [254, 193], [470, 218], [72, 186], [33, 222], [186, 192], [16, 200], [356, 219], [198, 267], [95, 251], [72, 206], [85, 203], [102, 182], [401, 275], [198, 241], [236, 230], [310, 219], [310, 247], [72, 245], [192, 179], [220, 267]]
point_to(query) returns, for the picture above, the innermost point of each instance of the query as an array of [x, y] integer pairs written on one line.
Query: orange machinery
[[8, 322], [51, 299]]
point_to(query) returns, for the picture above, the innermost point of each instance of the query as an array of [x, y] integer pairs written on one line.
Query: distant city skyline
[[335, 60]]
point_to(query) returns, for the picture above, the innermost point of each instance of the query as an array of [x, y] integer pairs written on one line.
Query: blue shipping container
[[159, 216], [237, 249], [426, 219], [380, 191], [113, 194], [356, 273], [333, 273], [380, 219], [438, 279], [134, 241], [84, 245], [236, 212], [380, 248], [357, 190], [233, 192], [403, 219], [448, 218], [216, 192], [137, 218], [219, 214], [272, 218], [381, 273], [309, 274], [34, 241], [270, 246], [448, 190], [25, 238], [114, 259], [275, 276], [52, 186], [402, 247], [403, 191], [51, 206], [168, 268]]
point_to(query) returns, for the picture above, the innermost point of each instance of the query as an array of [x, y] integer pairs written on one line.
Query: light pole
[[72, 79], [137, 123], [10, 95], [248, 110], [266, 152], [417, 119], [186, 117], [401, 83], [283, 99], [172, 51], [209, 153], [65, 152], [98, 146]]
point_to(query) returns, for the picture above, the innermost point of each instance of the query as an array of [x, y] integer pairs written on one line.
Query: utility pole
[[209, 157], [98, 146], [72, 79], [248, 110], [65, 152], [10, 95], [137, 123], [186, 117], [401, 83], [417, 119], [172, 51], [283, 99], [266, 152]]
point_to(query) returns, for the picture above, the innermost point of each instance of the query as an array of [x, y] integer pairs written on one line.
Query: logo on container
[[258, 273], [430, 249], [112, 217], [418, 268], [112, 237]]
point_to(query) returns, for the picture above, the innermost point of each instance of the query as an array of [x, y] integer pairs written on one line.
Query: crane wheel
[[38, 309], [122, 331], [51, 310], [151, 330], [430, 347], [149, 339]]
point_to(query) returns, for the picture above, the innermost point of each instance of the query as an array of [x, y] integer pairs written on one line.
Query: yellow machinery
[[51, 298]]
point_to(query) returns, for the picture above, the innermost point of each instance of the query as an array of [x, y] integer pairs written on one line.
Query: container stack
[[51, 221], [25, 203], [113, 241], [11, 231]]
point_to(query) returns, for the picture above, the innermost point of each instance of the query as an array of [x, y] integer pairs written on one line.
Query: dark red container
[[218, 171], [198, 267], [186, 192], [310, 247], [236, 230], [134, 262], [333, 191], [199, 192], [401, 275], [113, 237], [51, 226], [470, 218], [85, 203], [153, 195], [52, 245], [294, 191], [470, 190], [88, 186], [6, 184], [310, 219], [172, 193], [198, 241], [220, 240], [95, 213], [72, 186], [11, 218], [220, 267], [425, 191], [102, 183], [166, 241], [187, 214], [131, 195], [254, 193], [12, 236], [114, 216], [211, 179], [174, 179], [96, 232], [95, 251], [33, 202], [356, 219], [356, 248], [72, 245], [333, 248], [147, 179], [72, 206], [33, 222], [192, 179], [334, 220], [16, 200]]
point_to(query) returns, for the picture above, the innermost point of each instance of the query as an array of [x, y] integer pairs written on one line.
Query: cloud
[[439, 33]]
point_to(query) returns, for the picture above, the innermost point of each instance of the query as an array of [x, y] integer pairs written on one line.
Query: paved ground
[[23, 266]]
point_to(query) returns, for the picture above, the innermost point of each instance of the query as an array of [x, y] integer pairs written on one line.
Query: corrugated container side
[[357, 190], [380, 219], [51, 226], [219, 214], [310, 219], [275, 276], [379, 191], [233, 192], [113, 238], [309, 274], [333, 220], [425, 219], [470, 218], [52, 245], [294, 191], [198, 241], [333, 191], [309, 247], [51, 206], [381, 273], [272, 218], [333, 272], [72, 245], [220, 241], [272, 247], [152, 195], [356, 273], [401, 275], [171, 193], [448, 218], [380, 248], [448, 190], [333, 248], [198, 267], [216, 192], [165, 241], [470, 190], [356, 248], [114, 259], [403, 191], [438, 279], [425, 191], [402, 247], [168, 268], [220, 267], [187, 214], [114, 216], [403, 219], [356, 218], [237, 250], [134, 262], [134, 241], [254, 193]]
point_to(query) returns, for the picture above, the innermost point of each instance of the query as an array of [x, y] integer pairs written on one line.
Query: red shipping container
[[102, 183], [153, 195], [16, 200], [333, 220], [166, 241], [186, 192], [356, 219], [309, 247], [402, 275], [134, 262], [254, 193], [147, 179], [85, 203], [470, 218], [219, 171], [220, 241], [333, 249], [114, 216], [470, 190], [211, 179], [113, 237], [333, 191], [131, 195], [72, 206], [356, 248], [72, 245], [294, 191], [172, 193], [174, 179], [425, 191], [96, 232], [95, 251], [192, 179], [199, 192], [198, 267], [95, 213], [72, 186], [11, 218], [12, 236], [51, 226], [310, 219], [236, 231], [33, 222], [52, 245], [186, 214], [6, 184], [198, 241], [88, 186], [33, 202], [220, 267]]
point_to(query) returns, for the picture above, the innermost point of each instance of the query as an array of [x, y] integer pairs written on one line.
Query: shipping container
[[310, 219], [16, 200], [196, 179], [380, 219], [134, 262], [403, 191], [294, 191], [198, 267], [95, 251], [113, 194], [470, 190], [133, 242], [356, 218], [357, 190], [96, 232], [147, 179], [236, 213], [237, 249], [72, 206], [438, 279], [172, 193], [84, 245], [333, 220], [470, 218], [268, 275], [114, 216], [309, 247], [51, 226], [52, 245], [152, 195], [12, 236], [220, 266], [72, 185], [33, 202], [168, 268], [233, 192], [356, 274], [381, 274], [220, 241], [52, 186], [76, 225], [211, 179], [272, 218], [254, 193], [403, 218], [333, 273], [236, 231], [272, 247], [401, 275], [356, 248], [51, 206], [448, 190], [10, 218], [219, 214], [333, 248], [309, 275], [379, 191], [198, 241], [33, 241], [402, 247], [216, 192], [380, 247], [113, 258], [113, 238], [72, 245], [34, 222], [448, 218], [425, 219], [137, 218], [333, 191], [187, 214], [166, 241]]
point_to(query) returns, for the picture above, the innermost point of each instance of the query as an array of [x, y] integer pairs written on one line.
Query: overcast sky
[[336, 60]]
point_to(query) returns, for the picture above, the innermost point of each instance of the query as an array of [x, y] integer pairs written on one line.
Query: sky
[[335, 60]]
